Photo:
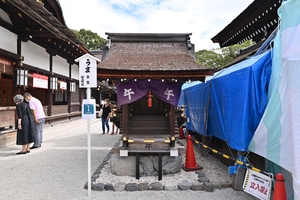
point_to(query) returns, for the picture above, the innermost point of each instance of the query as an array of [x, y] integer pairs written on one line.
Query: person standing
[[38, 117], [24, 125], [105, 116], [113, 129]]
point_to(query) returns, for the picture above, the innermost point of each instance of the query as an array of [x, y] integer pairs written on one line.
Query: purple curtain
[[132, 91]]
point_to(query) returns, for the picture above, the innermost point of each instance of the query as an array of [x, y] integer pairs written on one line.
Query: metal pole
[[88, 94]]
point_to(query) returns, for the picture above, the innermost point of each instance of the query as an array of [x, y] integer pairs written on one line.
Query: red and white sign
[[257, 184], [40, 81], [63, 85]]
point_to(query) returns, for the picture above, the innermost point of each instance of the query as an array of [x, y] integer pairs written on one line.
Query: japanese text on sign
[[257, 184], [87, 72]]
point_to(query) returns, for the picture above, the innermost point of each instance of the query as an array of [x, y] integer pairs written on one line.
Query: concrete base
[[8, 138], [148, 165], [238, 179]]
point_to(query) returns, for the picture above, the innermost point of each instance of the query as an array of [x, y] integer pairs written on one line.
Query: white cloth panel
[[8, 40], [60, 66], [75, 72], [35, 55]]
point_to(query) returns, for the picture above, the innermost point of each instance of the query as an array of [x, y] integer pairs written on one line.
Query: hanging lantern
[[22, 77], [149, 99], [53, 83], [72, 87]]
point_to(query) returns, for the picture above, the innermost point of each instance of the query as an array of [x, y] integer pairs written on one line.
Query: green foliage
[[208, 58], [218, 58], [91, 40]]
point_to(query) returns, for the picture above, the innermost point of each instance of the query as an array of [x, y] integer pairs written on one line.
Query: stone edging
[[203, 185], [184, 185]]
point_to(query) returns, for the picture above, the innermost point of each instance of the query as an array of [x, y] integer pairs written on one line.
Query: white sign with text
[[62, 85], [257, 184], [87, 73], [40, 81]]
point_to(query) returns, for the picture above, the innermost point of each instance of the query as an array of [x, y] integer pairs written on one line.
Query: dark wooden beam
[[11, 56], [121, 74], [36, 33], [8, 26], [45, 72]]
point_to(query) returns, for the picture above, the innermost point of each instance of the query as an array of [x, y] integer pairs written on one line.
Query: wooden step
[[148, 118], [148, 128], [153, 133]]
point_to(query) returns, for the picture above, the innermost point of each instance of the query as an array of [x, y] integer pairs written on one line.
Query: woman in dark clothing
[[105, 116], [24, 124]]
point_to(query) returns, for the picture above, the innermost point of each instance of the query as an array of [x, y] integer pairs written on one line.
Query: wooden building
[[257, 23], [132, 58], [37, 53]]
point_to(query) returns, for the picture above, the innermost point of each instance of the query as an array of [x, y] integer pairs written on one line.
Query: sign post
[[88, 79]]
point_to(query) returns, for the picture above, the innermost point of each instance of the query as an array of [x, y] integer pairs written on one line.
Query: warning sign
[[257, 184]]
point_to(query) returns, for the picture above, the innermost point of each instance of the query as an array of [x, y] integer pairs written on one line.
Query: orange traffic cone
[[279, 188], [181, 134], [190, 162]]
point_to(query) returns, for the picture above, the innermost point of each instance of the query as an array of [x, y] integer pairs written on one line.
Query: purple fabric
[[132, 91]]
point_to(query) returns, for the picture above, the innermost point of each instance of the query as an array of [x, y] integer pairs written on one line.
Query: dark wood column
[[172, 125], [69, 100], [125, 124], [49, 91], [49, 102], [69, 89]]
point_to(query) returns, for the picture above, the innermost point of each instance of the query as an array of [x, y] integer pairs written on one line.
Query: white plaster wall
[[35, 55], [75, 72], [60, 66], [8, 40]]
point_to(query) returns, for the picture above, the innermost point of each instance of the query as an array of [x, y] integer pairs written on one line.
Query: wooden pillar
[[17, 89], [50, 92], [172, 120], [69, 90], [69, 101], [49, 102], [172, 125], [125, 124]]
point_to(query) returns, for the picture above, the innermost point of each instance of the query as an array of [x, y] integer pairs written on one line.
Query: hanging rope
[[232, 159]]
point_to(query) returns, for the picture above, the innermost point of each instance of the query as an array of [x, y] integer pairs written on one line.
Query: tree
[[209, 58], [213, 59], [91, 40]]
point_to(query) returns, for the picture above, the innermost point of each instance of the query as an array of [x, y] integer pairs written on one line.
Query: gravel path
[[58, 170], [214, 170]]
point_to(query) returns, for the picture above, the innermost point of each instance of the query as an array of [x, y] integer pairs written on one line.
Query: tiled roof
[[153, 56], [150, 56]]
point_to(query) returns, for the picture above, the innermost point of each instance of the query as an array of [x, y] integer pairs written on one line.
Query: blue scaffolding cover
[[231, 103]]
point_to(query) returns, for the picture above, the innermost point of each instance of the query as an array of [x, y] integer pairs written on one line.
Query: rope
[[233, 159]]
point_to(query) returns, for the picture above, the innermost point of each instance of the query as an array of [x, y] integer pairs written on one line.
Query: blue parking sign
[[88, 109]]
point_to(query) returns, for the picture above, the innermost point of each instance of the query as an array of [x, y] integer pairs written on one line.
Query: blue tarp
[[231, 104], [184, 86], [195, 99]]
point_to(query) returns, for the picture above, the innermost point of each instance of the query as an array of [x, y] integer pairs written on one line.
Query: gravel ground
[[214, 170], [58, 170]]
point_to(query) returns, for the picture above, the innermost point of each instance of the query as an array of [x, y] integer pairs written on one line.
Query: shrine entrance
[[141, 108]]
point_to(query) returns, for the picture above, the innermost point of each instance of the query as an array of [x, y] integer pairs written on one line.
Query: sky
[[202, 18]]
